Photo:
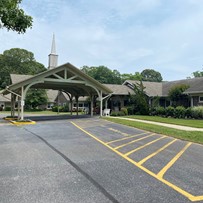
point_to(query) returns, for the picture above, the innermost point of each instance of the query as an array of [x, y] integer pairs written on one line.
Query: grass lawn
[[176, 121], [193, 136]]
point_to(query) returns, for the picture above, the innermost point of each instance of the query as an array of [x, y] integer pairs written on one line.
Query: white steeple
[[53, 57]]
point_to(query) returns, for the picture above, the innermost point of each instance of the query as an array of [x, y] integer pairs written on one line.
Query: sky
[[129, 36]]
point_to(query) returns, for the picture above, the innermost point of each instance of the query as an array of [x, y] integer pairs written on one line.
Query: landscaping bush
[[160, 111], [130, 110], [188, 112], [170, 111], [7, 108], [117, 113], [57, 108], [125, 111], [179, 112], [197, 112]]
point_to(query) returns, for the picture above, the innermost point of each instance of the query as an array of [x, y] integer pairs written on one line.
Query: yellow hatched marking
[[125, 138], [142, 138], [163, 170], [176, 188], [155, 153], [143, 146]]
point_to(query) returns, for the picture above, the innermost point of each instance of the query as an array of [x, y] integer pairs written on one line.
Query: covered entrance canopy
[[66, 78]]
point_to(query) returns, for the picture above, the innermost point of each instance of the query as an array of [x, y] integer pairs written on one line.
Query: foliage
[[130, 76], [35, 98], [197, 74], [17, 61], [7, 108], [170, 111], [60, 108], [124, 110], [117, 113], [176, 93], [151, 75], [197, 112], [12, 17], [139, 100], [180, 112], [103, 74]]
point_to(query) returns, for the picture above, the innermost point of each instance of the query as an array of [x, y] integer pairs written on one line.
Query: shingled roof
[[152, 88], [119, 89]]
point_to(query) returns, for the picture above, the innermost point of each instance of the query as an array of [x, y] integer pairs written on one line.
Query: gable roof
[[65, 77], [152, 88], [119, 89]]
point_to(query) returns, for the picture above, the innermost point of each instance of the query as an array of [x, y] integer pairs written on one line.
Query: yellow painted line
[[142, 138], [143, 146], [176, 188], [170, 163], [155, 153], [125, 138], [118, 131]]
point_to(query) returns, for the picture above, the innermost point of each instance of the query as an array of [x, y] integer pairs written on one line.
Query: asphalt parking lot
[[92, 160]]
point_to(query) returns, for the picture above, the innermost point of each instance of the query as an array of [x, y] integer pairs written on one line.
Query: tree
[[17, 61], [103, 74], [151, 75], [130, 76], [35, 98], [12, 17], [177, 96], [140, 100], [197, 74]]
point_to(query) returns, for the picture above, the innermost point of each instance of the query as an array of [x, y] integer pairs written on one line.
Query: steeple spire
[[53, 46], [53, 57]]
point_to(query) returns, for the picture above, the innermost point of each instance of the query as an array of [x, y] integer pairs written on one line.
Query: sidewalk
[[179, 127]]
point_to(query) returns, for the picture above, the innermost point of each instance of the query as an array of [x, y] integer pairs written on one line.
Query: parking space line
[[155, 153], [118, 131], [143, 146], [142, 138], [125, 138], [170, 163], [171, 185]]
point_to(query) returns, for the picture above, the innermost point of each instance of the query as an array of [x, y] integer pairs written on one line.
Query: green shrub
[[188, 112], [124, 110], [117, 113], [197, 112], [179, 112], [7, 108], [160, 111], [170, 111], [130, 110]]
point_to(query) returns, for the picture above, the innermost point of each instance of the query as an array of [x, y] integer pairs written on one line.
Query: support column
[[18, 108], [71, 105], [76, 98], [12, 104], [192, 102], [101, 103], [22, 103], [91, 105]]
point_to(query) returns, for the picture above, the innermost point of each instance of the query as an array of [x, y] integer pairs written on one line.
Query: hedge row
[[178, 112]]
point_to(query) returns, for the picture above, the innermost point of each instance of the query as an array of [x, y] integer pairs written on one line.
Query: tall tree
[[151, 75], [197, 74], [139, 100], [18, 61], [12, 17], [130, 76], [103, 74], [177, 96]]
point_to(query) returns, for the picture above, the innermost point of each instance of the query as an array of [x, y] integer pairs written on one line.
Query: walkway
[[179, 127]]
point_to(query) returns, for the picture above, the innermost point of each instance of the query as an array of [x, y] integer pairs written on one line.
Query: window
[[200, 98]]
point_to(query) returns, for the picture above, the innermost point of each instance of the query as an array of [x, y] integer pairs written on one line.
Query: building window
[[201, 99]]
